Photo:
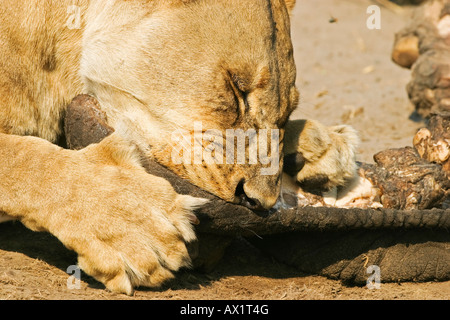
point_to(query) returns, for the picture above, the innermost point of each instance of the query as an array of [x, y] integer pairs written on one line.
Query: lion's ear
[[290, 4]]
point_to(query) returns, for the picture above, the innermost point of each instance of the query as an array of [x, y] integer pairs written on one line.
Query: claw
[[193, 219], [366, 258]]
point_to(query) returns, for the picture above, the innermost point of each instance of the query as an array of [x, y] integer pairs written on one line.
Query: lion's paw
[[321, 157], [140, 248]]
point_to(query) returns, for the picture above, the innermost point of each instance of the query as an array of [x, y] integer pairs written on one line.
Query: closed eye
[[245, 98], [240, 91], [236, 95]]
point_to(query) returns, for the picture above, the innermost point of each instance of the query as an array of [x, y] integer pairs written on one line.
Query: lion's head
[[174, 74]]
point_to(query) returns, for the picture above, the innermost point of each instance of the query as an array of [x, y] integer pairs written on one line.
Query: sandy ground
[[346, 76]]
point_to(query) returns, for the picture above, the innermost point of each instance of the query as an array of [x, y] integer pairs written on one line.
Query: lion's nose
[[244, 200], [261, 203]]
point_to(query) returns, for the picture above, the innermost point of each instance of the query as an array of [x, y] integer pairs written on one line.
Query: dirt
[[345, 76]]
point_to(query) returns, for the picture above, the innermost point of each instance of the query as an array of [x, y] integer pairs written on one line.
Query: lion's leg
[[320, 156], [3, 216], [128, 227]]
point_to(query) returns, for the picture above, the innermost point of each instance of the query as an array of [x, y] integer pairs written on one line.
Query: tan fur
[[328, 151], [155, 67], [121, 221], [290, 4]]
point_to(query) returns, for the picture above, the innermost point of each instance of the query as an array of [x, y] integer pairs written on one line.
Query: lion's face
[[181, 77]]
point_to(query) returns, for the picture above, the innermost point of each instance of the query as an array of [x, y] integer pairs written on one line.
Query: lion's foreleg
[[22, 185], [128, 227]]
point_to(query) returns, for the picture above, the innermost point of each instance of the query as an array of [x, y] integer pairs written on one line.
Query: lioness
[[155, 67]]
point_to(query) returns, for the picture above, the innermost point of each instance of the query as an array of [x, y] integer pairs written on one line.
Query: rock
[[407, 181], [424, 46], [433, 143]]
